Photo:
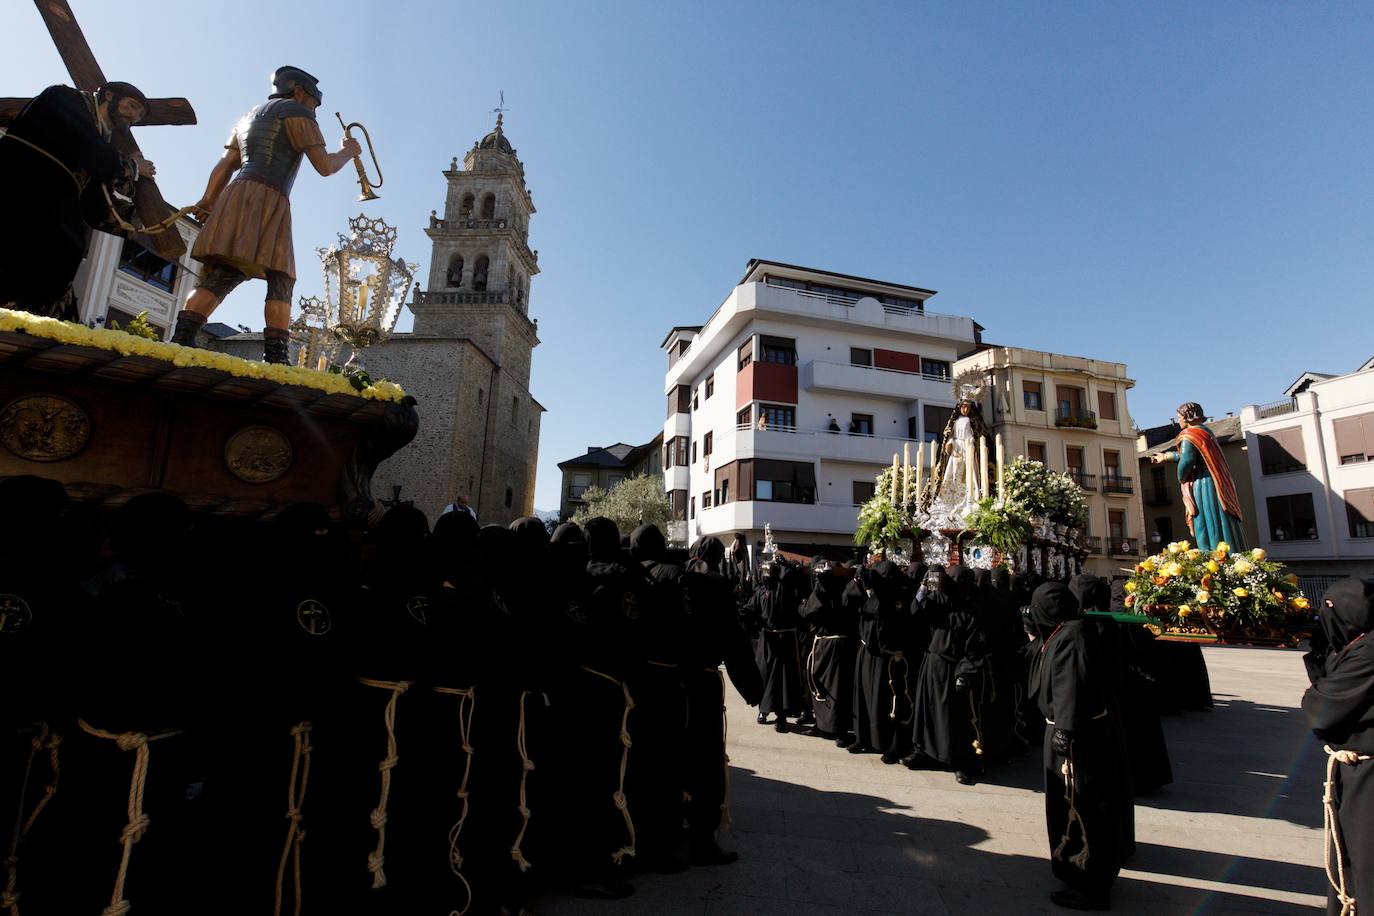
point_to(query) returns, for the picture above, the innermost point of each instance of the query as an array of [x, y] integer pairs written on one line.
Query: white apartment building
[[786, 404], [1312, 468]]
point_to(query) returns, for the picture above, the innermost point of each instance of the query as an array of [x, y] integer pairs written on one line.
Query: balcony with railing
[[575, 490], [1093, 544], [1158, 497], [1118, 484], [805, 444], [1123, 547], [1276, 408], [873, 381], [1075, 417], [1083, 478]]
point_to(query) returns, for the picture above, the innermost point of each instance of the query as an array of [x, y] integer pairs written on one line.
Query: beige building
[[1165, 520], [606, 468], [1070, 413]]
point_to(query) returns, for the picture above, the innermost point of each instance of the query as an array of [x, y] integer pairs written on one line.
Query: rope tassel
[[892, 660], [376, 860], [1332, 828], [138, 821], [1080, 858], [526, 765], [44, 739], [467, 706], [295, 800]]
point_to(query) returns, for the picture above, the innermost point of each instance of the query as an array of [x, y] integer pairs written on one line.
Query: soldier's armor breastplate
[[264, 147]]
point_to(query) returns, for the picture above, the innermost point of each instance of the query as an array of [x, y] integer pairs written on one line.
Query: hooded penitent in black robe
[[46, 213], [830, 663], [1340, 708], [778, 648], [1087, 781], [946, 706], [656, 780], [993, 690], [713, 638], [883, 695], [1149, 752]]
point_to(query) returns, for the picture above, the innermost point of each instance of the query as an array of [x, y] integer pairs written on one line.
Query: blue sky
[[1184, 187]]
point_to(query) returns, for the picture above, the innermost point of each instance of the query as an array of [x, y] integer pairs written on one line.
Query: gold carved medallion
[[43, 427], [258, 454]]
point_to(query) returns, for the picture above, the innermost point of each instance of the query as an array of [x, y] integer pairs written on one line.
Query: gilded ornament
[[43, 427], [15, 614], [258, 454]]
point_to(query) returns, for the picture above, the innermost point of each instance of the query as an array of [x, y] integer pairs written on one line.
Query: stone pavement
[[821, 831]]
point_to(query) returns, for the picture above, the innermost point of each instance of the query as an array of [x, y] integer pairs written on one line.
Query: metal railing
[[1123, 547], [1077, 417], [1117, 483], [1093, 544], [1083, 479], [454, 297], [929, 376], [575, 491], [1276, 408]]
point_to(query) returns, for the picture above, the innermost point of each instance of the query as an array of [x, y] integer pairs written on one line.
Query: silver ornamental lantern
[[316, 347], [364, 286]]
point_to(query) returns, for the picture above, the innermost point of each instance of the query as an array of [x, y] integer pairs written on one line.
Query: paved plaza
[[822, 831]]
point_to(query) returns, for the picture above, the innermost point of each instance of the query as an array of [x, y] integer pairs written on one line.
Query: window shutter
[[1106, 405]]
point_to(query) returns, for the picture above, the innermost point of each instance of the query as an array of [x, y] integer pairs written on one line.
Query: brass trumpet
[[363, 182]]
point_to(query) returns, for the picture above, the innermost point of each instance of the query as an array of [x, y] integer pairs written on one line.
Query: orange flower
[[1130, 601], [1207, 582], [1160, 580]]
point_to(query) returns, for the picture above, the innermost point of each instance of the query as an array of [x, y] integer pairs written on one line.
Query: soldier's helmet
[[286, 79]]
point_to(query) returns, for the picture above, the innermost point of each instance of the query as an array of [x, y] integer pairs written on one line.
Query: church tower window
[[465, 211], [479, 274], [489, 206], [455, 271]]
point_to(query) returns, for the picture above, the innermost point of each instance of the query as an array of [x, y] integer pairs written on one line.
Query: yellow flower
[[1130, 586], [1242, 566], [1300, 603], [1291, 579], [1240, 593], [1175, 569], [1223, 549], [1258, 554], [1203, 596], [1193, 554], [1148, 565], [1185, 611], [1213, 566]]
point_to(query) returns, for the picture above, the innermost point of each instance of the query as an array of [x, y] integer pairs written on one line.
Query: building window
[[694, 507], [1106, 405], [1355, 439], [1031, 396], [706, 443], [936, 418], [614, 480], [1111, 464], [694, 451], [863, 491], [780, 350], [706, 500], [679, 400], [935, 368], [746, 354], [696, 405], [675, 452], [861, 424], [465, 209], [510, 497], [784, 481], [724, 492], [860, 357], [489, 206], [579, 485], [1281, 451], [137, 261], [777, 416], [744, 418], [1116, 526], [1359, 509], [454, 276], [1164, 527], [1292, 518], [763, 489], [710, 385], [1035, 451], [479, 273]]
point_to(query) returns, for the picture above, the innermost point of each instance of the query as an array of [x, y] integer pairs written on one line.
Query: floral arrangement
[[1037, 492], [999, 524], [881, 524], [139, 327], [1188, 589], [127, 344]]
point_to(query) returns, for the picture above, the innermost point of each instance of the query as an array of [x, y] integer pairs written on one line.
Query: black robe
[[883, 694], [46, 217], [1075, 696], [1340, 709], [944, 723], [778, 647], [830, 663]]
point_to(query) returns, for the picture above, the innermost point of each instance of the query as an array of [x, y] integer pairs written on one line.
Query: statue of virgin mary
[[956, 487]]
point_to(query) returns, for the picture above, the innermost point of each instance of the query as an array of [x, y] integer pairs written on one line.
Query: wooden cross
[[87, 75]]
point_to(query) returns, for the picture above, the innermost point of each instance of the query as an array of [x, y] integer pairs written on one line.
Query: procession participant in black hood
[[603, 541], [714, 638], [1340, 709], [1000, 623], [830, 663], [945, 725], [1087, 783], [1145, 743], [882, 692], [778, 650], [656, 767]]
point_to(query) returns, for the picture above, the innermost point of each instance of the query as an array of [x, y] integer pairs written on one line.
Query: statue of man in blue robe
[[1209, 493]]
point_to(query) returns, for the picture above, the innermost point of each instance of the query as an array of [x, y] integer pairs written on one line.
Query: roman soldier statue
[[248, 229], [60, 164]]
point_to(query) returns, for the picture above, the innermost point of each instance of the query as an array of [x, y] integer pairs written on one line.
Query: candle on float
[[983, 463], [894, 478], [1001, 460], [920, 459], [906, 470], [933, 458]]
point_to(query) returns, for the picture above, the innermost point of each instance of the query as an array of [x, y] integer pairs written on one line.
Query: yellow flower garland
[[129, 345]]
